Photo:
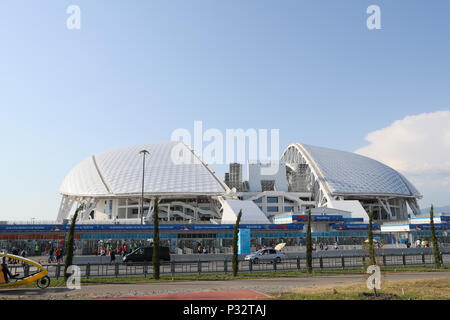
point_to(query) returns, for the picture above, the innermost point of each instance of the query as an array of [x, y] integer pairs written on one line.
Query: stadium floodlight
[[144, 152]]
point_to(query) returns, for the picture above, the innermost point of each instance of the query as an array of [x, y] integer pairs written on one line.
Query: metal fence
[[174, 268]]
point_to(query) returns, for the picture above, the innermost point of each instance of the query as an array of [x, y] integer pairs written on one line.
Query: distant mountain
[[445, 209]]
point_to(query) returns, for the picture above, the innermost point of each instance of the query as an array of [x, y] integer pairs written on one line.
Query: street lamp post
[[144, 152]]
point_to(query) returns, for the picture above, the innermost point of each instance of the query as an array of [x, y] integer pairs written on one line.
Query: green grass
[[432, 289]]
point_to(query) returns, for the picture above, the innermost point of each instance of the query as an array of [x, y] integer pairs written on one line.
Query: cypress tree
[[309, 244], [370, 236], [70, 241], [235, 245], [437, 258], [156, 242]]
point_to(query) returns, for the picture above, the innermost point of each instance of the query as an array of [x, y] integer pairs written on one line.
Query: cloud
[[417, 144], [419, 147]]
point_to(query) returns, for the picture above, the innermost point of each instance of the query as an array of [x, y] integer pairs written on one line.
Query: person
[[113, 256], [50, 255], [321, 246], [423, 243], [418, 243], [326, 247], [58, 255], [336, 246], [6, 273]]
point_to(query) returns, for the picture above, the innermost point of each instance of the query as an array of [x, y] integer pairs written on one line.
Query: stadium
[[191, 192], [118, 188]]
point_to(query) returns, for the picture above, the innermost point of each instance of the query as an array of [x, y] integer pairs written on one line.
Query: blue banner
[[244, 241], [145, 227]]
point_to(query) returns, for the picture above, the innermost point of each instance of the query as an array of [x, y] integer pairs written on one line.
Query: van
[[145, 254]]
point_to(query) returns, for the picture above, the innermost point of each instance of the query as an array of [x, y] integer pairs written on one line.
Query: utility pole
[[144, 152]]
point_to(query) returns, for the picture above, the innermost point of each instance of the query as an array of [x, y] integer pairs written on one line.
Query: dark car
[[145, 254]]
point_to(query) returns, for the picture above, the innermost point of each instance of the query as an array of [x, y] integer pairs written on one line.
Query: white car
[[266, 255]]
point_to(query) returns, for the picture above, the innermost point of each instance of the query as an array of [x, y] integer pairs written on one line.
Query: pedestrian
[[113, 256], [58, 255], [50, 255], [326, 247], [336, 246]]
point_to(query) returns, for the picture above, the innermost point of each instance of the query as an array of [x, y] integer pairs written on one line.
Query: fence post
[[58, 271], [423, 258], [116, 269], [364, 260], [145, 269], [403, 259], [441, 258], [88, 270], [298, 263], [384, 260], [250, 265], [199, 266], [342, 261], [274, 265], [321, 262], [26, 269], [172, 267], [225, 266]]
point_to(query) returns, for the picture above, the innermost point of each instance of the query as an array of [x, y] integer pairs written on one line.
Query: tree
[[309, 245], [437, 257], [156, 243], [235, 245], [370, 238], [70, 241]]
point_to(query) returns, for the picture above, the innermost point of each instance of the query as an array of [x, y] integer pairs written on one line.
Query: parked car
[[144, 254], [266, 255]]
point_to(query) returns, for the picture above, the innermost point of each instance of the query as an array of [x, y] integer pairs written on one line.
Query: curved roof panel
[[350, 173], [119, 172]]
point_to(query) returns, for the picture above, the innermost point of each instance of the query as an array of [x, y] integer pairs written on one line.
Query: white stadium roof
[[119, 172], [347, 173]]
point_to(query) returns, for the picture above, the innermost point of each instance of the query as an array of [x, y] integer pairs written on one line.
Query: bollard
[[343, 262], [298, 263], [88, 270]]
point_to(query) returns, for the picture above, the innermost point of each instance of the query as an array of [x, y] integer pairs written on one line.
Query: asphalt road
[[258, 285]]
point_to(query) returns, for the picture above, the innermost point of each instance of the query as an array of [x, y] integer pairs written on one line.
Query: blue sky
[[138, 70]]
